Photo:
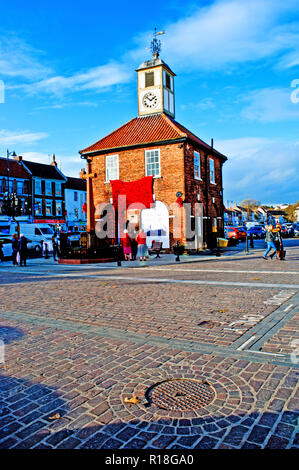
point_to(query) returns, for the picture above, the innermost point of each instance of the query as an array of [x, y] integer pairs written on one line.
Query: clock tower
[[155, 83]]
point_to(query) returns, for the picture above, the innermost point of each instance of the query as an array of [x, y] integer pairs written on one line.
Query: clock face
[[150, 100]]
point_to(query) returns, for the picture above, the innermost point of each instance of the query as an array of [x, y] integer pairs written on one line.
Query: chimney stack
[[212, 143], [53, 163]]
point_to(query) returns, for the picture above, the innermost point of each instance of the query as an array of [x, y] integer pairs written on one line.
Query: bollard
[[246, 248], [217, 248], [46, 251], [251, 241], [119, 257], [177, 252]]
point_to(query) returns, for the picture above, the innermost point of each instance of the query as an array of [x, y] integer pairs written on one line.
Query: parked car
[[284, 231], [257, 231], [235, 233], [296, 230], [6, 241]]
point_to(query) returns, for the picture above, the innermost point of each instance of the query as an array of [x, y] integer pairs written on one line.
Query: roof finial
[[156, 44]]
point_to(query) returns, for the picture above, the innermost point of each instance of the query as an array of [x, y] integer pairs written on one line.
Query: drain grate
[[180, 394]]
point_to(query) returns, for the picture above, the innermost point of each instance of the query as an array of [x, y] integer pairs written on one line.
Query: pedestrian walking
[[126, 245], [141, 245], [22, 248], [55, 245], [269, 239], [15, 248], [280, 253]]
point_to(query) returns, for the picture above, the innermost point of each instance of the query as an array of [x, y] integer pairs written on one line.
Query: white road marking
[[263, 352], [288, 308], [246, 342], [153, 268]]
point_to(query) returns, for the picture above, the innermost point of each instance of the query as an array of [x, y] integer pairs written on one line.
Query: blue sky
[[68, 70]]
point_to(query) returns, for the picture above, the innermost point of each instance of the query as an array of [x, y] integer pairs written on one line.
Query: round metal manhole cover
[[181, 394]]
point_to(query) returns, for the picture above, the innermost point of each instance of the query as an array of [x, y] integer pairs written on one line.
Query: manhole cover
[[181, 394]]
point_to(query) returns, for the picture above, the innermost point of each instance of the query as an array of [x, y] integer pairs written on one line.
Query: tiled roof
[[78, 184], [146, 130], [43, 170], [16, 170]]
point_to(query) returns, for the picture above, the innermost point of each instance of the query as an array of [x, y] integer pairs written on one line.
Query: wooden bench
[[156, 248]]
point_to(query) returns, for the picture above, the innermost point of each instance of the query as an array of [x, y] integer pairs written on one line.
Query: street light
[[11, 201]]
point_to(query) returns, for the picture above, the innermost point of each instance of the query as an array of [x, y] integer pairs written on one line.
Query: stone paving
[[77, 347]]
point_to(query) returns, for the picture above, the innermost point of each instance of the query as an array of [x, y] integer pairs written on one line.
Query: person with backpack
[[280, 253]]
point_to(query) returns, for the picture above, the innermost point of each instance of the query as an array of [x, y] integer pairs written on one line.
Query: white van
[[39, 234]]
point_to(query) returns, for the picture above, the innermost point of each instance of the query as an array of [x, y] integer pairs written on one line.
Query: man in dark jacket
[[15, 247], [23, 249], [278, 243]]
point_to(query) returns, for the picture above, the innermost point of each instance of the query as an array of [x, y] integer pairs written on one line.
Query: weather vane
[[156, 43]]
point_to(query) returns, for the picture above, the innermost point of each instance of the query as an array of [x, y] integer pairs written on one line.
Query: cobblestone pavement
[[80, 341]]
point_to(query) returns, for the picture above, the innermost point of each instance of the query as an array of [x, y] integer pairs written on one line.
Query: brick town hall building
[[161, 163]]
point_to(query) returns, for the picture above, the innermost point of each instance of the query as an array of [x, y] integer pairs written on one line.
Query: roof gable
[[146, 130], [16, 170], [42, 170]]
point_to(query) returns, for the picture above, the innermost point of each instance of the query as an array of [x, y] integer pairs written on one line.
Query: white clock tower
[[155, 83]]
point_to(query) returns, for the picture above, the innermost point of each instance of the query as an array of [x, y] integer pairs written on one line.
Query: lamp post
[[11, 200]]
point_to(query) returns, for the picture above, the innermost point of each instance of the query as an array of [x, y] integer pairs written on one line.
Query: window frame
[[212, 173], [149, 76], [49, 201], [38, 201], [40, 183], [48, 183], [58, 185], [146, 152], [107, 168], [196, 163], [57, 203]]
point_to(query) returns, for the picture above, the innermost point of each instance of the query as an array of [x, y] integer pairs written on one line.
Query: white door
[[155, 223]]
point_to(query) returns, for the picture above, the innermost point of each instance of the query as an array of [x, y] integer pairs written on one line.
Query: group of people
[[134, 245], [274, 241], [19, 250]]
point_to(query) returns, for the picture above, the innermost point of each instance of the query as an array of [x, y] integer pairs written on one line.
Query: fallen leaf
[[254, 278], [132, 401], [56, 416], [222, 311], [4, 366]]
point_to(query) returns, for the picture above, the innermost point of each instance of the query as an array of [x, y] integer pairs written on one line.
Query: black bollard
[[246, 248], [46, 251], [177, 252], [119, 256], [217, 248], [251, 241]]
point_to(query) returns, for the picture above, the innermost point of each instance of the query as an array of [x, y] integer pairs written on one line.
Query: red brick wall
[[177, 174]]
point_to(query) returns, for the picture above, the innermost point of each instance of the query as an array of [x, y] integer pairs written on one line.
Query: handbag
[[18, 258]]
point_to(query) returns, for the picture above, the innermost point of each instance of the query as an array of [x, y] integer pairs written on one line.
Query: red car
[[236, 233]]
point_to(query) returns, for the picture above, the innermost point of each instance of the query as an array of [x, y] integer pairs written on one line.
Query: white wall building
[[75, 203]]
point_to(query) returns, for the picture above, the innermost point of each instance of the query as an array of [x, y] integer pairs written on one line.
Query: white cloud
[[260, 168], [230, 32], [18, 59], [8, 137], [96, 79], [270, 105]]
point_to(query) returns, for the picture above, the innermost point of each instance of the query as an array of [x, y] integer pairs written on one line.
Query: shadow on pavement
[[27, 408]]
